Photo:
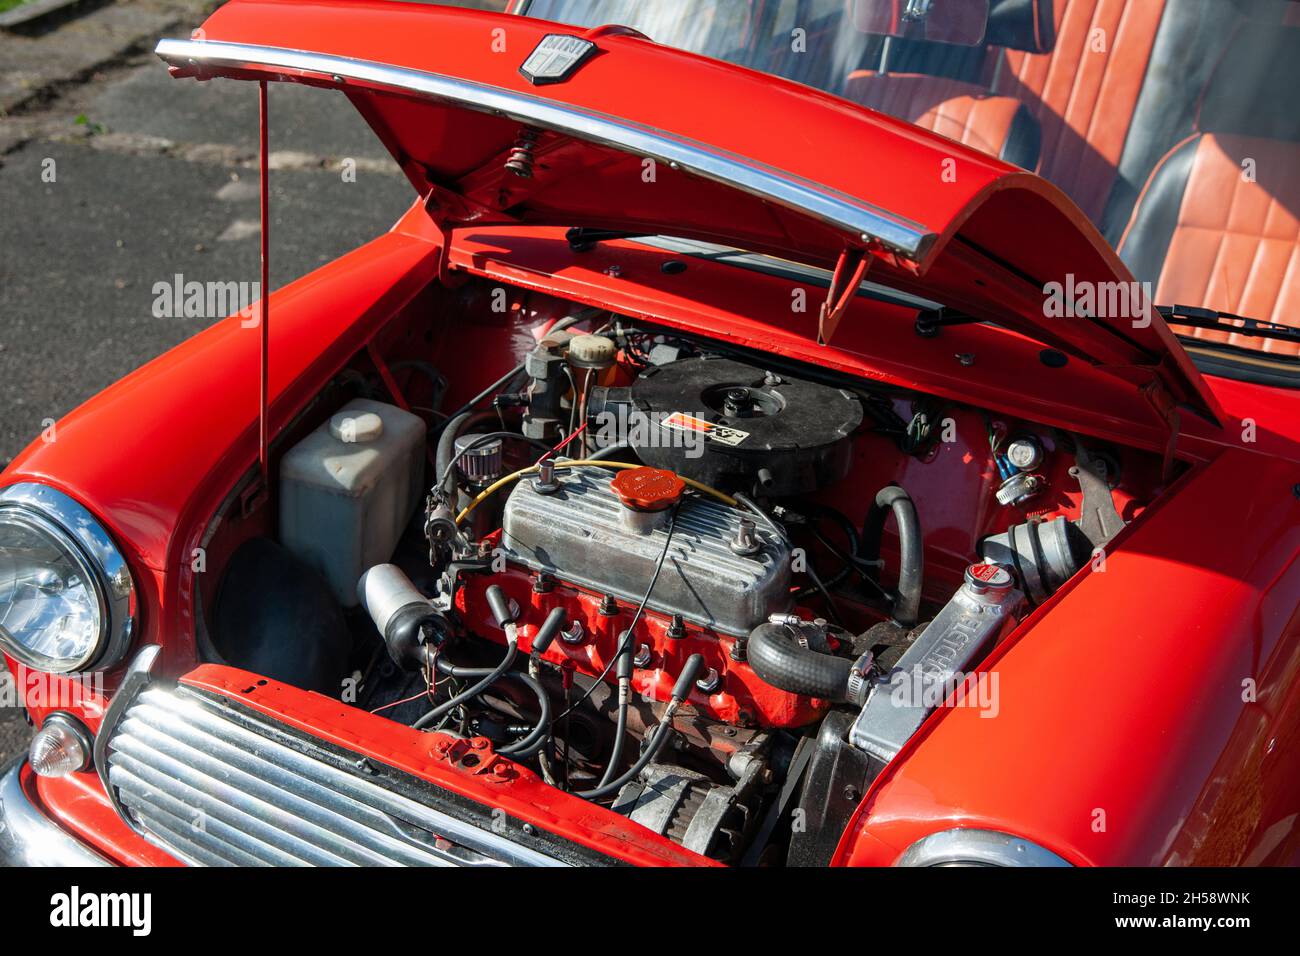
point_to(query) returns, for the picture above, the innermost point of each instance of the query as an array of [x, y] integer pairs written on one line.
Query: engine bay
[[714, 590]]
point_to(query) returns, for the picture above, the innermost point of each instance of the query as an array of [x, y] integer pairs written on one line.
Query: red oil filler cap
[[648, 489]]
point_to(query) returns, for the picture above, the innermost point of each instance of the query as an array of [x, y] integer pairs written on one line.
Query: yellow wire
[[492, 489]]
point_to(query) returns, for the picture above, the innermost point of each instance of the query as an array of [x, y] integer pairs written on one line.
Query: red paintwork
[[1122, 694], [80, 804], [876, 341], [985, 219], [1123, 737]]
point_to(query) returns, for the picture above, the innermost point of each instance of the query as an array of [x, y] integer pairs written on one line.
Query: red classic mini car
[[856, 432]]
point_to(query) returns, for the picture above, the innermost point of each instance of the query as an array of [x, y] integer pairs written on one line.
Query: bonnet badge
[[555, 58]]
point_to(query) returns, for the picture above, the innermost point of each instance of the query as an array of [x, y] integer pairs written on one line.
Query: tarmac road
[[154, 182]]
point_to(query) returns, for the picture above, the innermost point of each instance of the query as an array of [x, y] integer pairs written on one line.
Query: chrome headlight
[[67, 602], [963, 847]]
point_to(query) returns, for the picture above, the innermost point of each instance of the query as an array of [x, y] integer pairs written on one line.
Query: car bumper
[[28, 837]]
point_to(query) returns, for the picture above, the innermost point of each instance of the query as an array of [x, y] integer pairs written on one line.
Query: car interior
[[1152, 123], [1168, 122]]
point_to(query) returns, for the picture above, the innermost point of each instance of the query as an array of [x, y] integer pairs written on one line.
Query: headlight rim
[[84, 536], [977, 846]]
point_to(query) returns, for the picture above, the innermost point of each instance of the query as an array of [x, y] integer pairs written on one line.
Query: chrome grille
[[217, 787]]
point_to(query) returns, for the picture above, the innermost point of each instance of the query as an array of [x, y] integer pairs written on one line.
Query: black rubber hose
[[488, 675], [620, 734], [841, 519], [780, 660], [895, 500], [816, 512], [853, 562]]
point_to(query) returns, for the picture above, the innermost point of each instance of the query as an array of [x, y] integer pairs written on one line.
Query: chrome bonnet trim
[[28, 837], [834, 208]]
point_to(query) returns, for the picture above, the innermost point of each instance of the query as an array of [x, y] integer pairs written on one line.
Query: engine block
[[734, 694], [578, 533], [570, 548]]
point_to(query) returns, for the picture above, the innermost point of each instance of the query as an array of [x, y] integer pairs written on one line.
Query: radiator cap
[[982, 578]]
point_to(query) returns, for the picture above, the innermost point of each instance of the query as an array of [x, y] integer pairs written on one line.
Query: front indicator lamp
[[62, 746]]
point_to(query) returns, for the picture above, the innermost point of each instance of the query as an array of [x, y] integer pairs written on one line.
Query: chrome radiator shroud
[[214, 783], [577, 533]]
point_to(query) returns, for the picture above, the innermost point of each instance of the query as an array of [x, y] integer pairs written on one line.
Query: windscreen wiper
[[584, 238], [1226, 322]]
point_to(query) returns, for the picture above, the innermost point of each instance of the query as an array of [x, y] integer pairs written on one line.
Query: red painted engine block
[[741, 697]]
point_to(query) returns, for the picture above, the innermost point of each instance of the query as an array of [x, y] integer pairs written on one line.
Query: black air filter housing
[[734, 426]]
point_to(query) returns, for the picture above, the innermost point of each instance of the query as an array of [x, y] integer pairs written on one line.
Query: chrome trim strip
[[215, 792], [832, 207], [89, 540], [972, 847], [139, 672], [28, 837]]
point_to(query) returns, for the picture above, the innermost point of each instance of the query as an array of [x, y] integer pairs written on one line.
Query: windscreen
[[1170, 123]]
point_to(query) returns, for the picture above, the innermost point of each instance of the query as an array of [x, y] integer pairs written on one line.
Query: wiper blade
[[584, 238], [930, 322], [1226, 322]]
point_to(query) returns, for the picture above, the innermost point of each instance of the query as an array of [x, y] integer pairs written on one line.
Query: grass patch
[[10, 4]]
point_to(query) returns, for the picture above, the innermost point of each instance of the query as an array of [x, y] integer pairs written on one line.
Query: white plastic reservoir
[[348, 490]]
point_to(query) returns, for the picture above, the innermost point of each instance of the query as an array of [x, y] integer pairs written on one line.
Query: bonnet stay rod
[[263, 418], [850, 270]]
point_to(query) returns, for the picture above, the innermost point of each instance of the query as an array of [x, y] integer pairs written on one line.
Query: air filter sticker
[[680, 421]]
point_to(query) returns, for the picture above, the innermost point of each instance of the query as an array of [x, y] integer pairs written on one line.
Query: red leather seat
[[968, 112], [998, 125], [1083, 88], [1218, 223]]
